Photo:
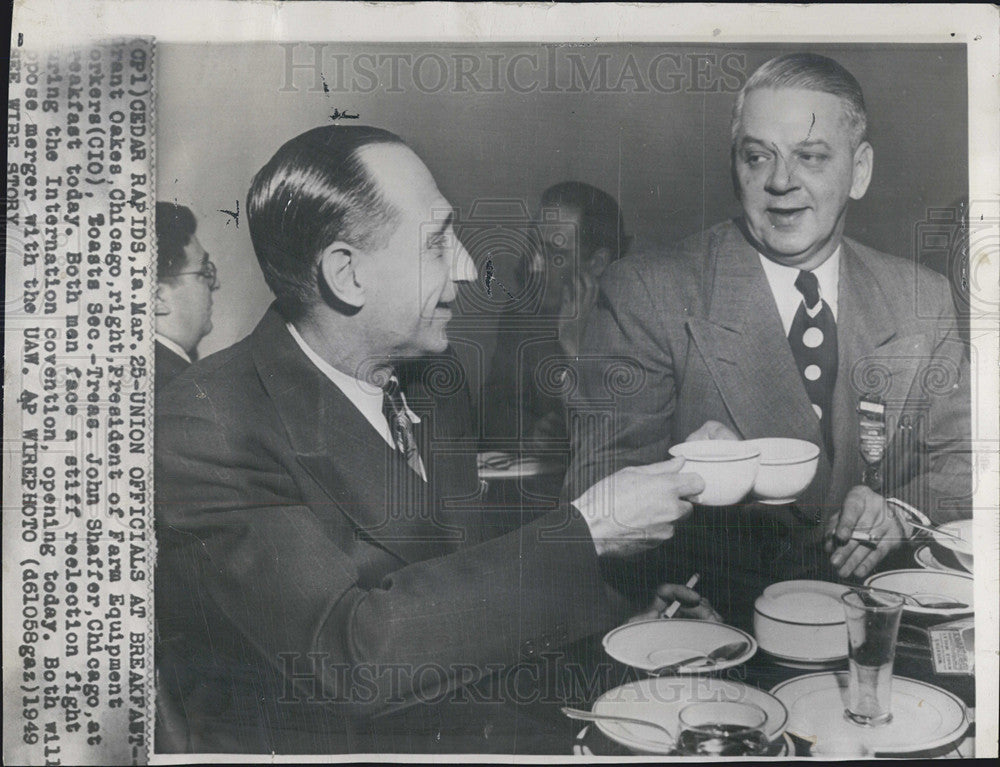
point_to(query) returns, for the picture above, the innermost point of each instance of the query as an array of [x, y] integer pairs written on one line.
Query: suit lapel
[[366, 479], [743, 343], [874, 360], [443, 437]]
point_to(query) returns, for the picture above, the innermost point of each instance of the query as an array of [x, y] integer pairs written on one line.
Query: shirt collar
[[174, 347], [366, 397], [782, 278]]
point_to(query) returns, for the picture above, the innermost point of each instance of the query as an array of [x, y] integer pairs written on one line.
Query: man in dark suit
[[186, 279], [325, 572], [776, 325]]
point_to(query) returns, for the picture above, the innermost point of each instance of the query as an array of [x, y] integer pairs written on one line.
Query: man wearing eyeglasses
[[187, 279]]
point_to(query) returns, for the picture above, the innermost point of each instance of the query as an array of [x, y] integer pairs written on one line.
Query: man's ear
[[864, 157], [337, 269], [598, 261], [161, 302]]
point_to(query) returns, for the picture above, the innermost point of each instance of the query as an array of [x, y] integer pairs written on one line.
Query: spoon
[[912, 512], [590, 716], [724, 653], [939, 531], [943, 604]]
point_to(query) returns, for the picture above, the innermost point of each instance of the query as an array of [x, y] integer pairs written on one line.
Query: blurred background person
[[589, 234], [186, 279], [580, 231]]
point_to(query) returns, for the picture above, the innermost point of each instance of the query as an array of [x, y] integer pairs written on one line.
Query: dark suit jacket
[[169, 365], [515, 400], [308, 582], [702, 330]]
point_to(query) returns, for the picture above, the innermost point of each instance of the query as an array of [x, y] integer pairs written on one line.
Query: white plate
[[812, 602], [961, 550], [926, 559], [928, 585], [963, 529], [647, 645], [923, 716], [825, 664], [660, 699]]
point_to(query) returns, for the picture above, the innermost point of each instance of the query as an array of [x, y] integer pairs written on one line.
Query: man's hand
[[712, 430], [692, 605], [635, 508], [864, 511]]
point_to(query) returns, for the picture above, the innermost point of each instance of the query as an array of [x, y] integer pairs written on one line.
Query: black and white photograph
[[501, 382]]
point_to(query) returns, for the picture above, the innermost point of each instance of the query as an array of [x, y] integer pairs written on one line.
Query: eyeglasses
[[207, 273]]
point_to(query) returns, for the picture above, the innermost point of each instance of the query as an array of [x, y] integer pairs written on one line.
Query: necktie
[[813, 338], [400, 425]]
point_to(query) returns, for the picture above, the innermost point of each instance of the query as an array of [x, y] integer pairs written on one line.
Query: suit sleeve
[[256, 564], [937, 474], [622, 413]]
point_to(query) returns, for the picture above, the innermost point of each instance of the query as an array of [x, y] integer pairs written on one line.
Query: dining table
[[913, 660], [522, 486]]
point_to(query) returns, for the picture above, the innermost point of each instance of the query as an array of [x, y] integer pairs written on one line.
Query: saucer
[[926, 559], [660, 699], [928, 585], [923, 716], [648, 645]]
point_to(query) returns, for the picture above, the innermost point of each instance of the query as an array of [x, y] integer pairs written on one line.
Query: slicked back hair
[[175, 226], [813, 72], [315, 191]]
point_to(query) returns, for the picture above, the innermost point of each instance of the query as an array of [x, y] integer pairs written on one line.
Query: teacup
[[787, 466], [728, 468]]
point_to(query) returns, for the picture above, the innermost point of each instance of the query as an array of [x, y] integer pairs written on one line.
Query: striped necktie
[[400, 426]]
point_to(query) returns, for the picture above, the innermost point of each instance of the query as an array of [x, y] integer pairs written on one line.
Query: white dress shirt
[[366, 397], [174, 347], [787, 297]]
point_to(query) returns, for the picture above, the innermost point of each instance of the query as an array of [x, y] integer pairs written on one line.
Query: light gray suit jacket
[[700, 335]]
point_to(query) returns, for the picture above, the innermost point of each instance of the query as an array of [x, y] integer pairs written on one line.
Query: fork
[[590, 716]]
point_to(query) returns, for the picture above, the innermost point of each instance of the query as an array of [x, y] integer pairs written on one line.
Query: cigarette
[[865, 539], [671, 611]]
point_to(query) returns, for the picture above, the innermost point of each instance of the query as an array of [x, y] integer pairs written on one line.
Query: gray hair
[[813, 72]]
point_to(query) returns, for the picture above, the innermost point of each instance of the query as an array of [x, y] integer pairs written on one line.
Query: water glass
[[722, 728], [872, 625]]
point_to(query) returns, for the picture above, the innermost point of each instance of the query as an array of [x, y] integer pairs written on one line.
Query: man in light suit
[[776, 325], [325, 572], [186, 279]]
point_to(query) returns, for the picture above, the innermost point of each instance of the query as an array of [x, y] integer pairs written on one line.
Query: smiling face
[[411, 282], [796, 170]]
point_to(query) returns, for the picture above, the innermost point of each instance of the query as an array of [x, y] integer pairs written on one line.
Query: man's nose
[[462, 268], [781, 179]]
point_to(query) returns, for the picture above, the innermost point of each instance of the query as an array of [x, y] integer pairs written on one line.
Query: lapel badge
[[872, 437]]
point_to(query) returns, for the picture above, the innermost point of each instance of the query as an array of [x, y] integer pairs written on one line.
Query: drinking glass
[[722, 728], [872, 625]]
